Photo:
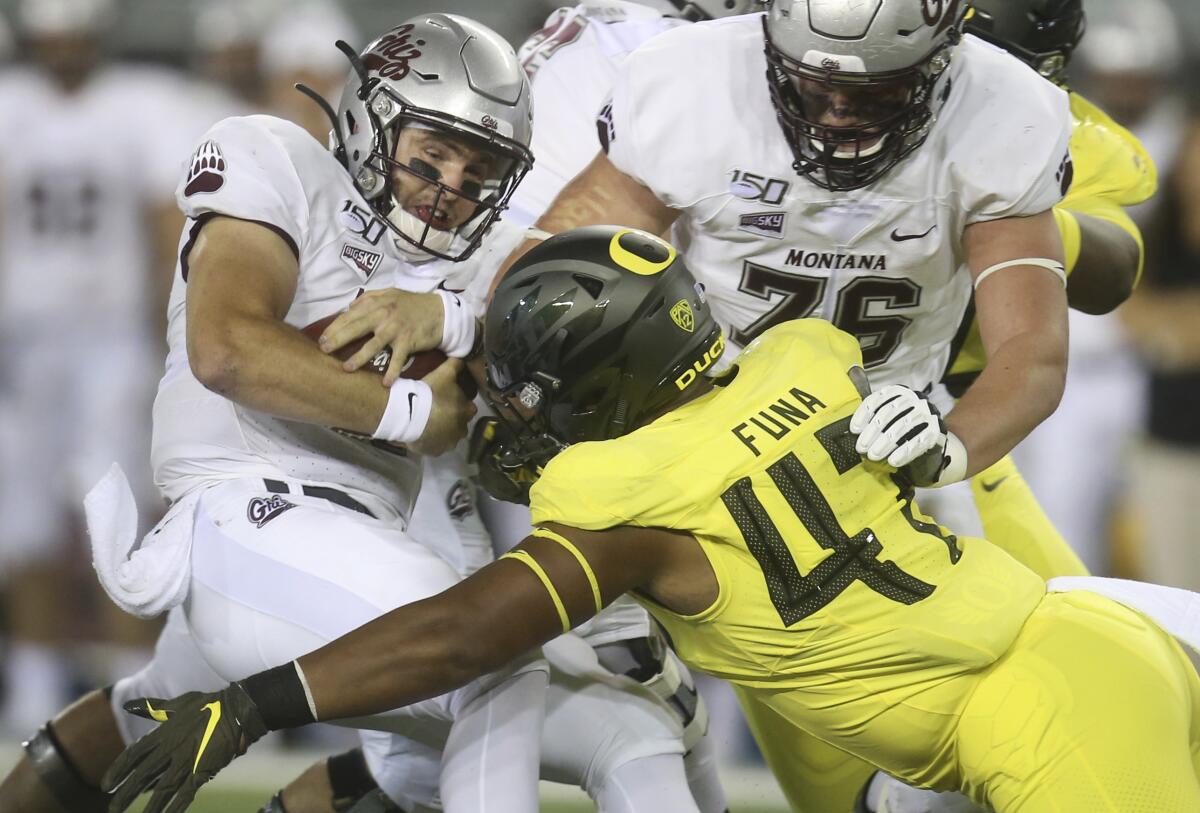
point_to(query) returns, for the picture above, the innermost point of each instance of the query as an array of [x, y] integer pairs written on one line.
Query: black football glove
[[200, 734], [500, 475]]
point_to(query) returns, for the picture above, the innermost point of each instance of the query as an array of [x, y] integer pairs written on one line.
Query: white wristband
[[407, 414], [956, 466], [1053, 266], [458, 325]]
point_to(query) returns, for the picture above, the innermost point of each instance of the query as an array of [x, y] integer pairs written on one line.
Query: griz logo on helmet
[[393, 53], [940, 13]]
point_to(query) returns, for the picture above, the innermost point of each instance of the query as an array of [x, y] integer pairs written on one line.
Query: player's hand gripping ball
[[416, 367]]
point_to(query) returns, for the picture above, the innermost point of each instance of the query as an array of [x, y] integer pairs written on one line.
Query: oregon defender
[[738, 513]]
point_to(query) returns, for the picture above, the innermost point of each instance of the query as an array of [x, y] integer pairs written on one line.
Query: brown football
[[418, 365]]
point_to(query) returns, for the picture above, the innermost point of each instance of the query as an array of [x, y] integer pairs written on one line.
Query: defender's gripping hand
[[503, 481], [897, 424], [200, 734], [901, 426]]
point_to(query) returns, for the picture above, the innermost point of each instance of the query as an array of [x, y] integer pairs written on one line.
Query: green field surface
[[247, 784]]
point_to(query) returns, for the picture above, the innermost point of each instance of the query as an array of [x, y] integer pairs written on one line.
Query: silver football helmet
[[448, 74], [856, 84]]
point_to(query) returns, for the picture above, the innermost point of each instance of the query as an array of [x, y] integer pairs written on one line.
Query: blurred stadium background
[[1118, 468]]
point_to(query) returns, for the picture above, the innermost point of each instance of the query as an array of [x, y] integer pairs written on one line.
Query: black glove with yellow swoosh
[[200, 734]]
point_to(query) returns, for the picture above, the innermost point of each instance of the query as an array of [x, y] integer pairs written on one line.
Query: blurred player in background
[[261, 440], [88, 156], [1077, 462], [226, 45], [1138, 64], [295, 49]]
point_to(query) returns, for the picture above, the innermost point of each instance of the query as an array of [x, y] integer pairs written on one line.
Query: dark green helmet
[[595, 332], [1041, 33]]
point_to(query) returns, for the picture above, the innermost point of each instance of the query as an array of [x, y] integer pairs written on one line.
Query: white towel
[[144, 580], [1176, 611]]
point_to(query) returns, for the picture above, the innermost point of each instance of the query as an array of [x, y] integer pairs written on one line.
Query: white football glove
[[897, 424], [901, 426]]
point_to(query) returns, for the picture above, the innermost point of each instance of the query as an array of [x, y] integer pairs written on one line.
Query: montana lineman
[[873, 180], [292, 480]]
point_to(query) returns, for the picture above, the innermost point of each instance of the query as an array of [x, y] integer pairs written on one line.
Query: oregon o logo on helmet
[[393, 52], [646, 258]]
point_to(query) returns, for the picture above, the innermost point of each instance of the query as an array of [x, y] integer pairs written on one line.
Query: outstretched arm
[[418, 651]]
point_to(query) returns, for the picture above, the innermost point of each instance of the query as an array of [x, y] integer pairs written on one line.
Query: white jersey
[[270, 171], [571, 64], [78, 173], [886, 262]]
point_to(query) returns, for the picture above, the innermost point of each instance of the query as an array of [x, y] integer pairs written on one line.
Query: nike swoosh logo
[[156, 714], [214, 717], [994, 485], [900, 238], [412, 397]]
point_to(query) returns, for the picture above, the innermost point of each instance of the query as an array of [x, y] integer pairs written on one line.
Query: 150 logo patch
[[751, 186]]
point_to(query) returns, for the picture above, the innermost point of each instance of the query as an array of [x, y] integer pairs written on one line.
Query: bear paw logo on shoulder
[[207, 172], [262, 510]]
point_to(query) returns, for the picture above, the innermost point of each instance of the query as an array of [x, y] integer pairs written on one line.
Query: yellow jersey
[[1111, 170], [834, 589]]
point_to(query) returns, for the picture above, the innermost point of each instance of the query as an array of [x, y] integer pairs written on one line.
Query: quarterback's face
[[461, 166]]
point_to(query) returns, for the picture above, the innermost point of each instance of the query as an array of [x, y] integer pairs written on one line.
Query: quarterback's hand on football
[[402, 320], [200, 734], [450, 413], [505, 481]]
